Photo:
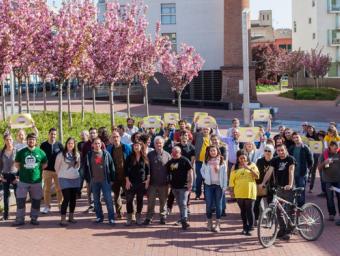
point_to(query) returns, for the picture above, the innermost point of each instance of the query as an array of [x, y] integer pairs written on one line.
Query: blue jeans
[[213, 198], [181, 196], [330, 198], [300, 182], [105, 188], [199, 179]]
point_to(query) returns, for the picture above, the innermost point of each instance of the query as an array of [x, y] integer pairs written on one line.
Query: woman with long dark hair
[[67, 167], [214, 173], [137, 175], [8, 171], [242, 183]]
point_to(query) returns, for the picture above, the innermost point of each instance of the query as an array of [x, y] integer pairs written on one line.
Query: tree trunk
[[180, 105], [44, 95], [128, 100], [111, 105], [60, 96], [317, 83], [19, 96], [3, 99], [82, 101], [93, 100], [69, 103], [28, 94], [147, 100]]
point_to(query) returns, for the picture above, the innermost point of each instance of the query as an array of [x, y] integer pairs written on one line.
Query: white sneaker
[[45, 210]]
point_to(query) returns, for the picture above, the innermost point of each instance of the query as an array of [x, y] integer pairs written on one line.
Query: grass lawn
[[267, 88], [311, 94], [47, 120]]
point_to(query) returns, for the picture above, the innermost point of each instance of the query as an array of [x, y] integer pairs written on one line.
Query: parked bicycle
[[307, 220]]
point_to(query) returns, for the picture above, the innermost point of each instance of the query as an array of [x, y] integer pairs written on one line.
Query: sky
[[282, 10]]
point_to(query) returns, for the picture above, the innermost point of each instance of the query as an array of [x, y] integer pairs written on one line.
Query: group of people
[[168, 163]]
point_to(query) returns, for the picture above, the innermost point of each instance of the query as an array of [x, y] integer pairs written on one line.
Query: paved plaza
[[86, 238]]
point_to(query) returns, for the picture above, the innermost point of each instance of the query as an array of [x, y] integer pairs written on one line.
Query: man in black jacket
[[51, 147], [304, 162], [99, 170]]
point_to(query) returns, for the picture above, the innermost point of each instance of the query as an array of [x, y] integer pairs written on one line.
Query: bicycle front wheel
[[310, 222], [267, 227]]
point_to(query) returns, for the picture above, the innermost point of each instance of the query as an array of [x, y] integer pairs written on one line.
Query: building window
[[168, 14], [294, 26], [313, 35], [310, 20], [173, 39]]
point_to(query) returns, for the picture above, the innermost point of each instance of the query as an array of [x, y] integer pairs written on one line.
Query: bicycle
[[308, 220]]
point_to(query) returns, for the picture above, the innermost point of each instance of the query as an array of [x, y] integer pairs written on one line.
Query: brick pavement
[[85, 238]]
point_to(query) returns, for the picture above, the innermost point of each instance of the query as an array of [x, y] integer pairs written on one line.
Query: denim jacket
[[223, 178]]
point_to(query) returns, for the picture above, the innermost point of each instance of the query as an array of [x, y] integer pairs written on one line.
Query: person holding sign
[[182, 127], [304, 162]]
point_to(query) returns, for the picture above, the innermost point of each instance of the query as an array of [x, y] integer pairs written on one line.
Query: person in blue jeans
[[100, 171], [180, 175], [214, 173], [304, 162]]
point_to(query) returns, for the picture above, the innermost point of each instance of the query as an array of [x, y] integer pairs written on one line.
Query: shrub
[[311, 94]]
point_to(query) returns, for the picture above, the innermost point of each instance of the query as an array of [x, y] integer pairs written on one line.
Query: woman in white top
[[253, 152], [67, 167], [214, 173]]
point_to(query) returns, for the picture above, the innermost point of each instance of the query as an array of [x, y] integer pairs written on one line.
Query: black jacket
[[306, 158], [109, 167]]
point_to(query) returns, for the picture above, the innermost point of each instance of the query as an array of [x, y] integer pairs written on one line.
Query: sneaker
[[112, 222], [18, 223], [45, 210], [178, 223], [223, 214], [331, 217], [162, 221], [147, 222], [243, 232], [247, 233], [34, 222], [285, 237], [90, 209], [185, 225], [197, 198], [337, 223], [98, 220]]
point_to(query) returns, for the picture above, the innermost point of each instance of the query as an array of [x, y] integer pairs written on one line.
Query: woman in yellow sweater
[[242, 184]]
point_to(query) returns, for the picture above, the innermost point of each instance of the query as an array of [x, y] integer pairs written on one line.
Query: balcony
[[334, 6], [334, 37]]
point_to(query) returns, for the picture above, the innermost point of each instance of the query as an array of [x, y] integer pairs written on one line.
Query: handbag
[[261, 191]]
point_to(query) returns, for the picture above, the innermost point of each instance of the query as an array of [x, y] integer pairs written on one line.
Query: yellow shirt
[[243, 182], [205, 144], [328, 139]]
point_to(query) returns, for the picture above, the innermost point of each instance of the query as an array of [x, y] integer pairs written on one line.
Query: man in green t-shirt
[[30, 162]]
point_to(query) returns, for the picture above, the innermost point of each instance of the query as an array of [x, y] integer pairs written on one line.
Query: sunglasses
[[268, 151]]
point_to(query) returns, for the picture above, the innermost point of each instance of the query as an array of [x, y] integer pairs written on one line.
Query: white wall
[[198, 22]]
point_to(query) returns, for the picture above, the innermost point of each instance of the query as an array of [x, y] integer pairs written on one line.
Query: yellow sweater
[[243, 182]]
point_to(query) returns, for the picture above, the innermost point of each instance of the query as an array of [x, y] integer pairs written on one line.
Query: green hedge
[[311, 94], [267, 88], [47, 120]]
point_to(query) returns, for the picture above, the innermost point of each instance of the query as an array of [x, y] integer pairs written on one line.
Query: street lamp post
[[245, 44]]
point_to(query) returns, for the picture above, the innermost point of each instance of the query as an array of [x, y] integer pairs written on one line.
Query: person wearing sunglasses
[[263, 164], [282, 170]]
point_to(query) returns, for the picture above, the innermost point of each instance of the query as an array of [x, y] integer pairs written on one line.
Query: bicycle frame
[[278, 202]]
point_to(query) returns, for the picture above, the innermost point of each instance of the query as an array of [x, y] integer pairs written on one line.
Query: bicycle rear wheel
[[310, 222], [267, 227]]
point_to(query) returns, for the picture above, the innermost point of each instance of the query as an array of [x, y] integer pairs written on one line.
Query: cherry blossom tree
[[291, 63], [6, 50], [111, 42], [317, 64], [180, 69]]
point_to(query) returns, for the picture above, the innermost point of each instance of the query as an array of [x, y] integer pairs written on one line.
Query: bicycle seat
[[300, 189]]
